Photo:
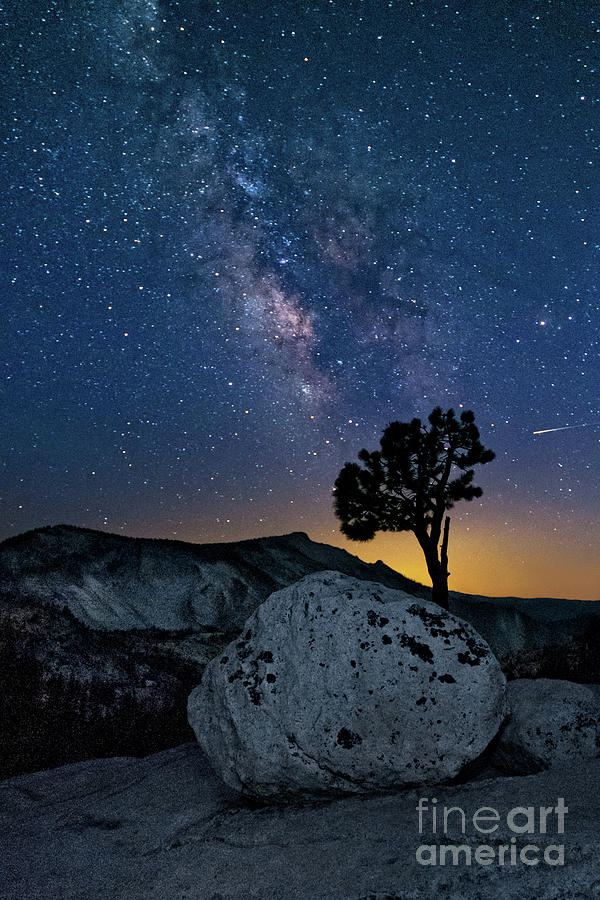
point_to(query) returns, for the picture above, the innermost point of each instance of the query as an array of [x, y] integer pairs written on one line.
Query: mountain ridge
[[114, 581]]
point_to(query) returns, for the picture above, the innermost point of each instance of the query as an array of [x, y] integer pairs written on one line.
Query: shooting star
[[565, 427]]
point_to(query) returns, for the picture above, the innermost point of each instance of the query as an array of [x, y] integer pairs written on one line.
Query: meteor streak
[[565, 427]]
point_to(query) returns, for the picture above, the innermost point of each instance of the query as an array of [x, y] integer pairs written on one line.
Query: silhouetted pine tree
[[419, 473]]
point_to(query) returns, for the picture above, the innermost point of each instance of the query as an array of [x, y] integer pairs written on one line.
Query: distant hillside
[[113, 582]]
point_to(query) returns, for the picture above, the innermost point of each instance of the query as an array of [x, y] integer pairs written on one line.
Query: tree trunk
[[438, 567], [439, 590]]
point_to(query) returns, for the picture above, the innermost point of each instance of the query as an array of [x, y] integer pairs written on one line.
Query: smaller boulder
[[552, 723]]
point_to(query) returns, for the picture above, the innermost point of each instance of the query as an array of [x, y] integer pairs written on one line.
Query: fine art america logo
[[543, 822]]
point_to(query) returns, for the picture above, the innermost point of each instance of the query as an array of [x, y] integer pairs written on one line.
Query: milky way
[[239, 239]]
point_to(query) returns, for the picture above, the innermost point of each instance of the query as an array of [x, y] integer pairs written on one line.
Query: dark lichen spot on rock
[[235, 675], [373, 619], [224, 659], [348, 739], [265, 656], [416, 647], [255, 696], [353, 663], [447, 679], [421, 701], [243, 649], [428, 618], [439, 627], [386, 639], [271, 678]]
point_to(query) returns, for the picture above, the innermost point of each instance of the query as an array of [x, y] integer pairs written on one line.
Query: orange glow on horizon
[[496, 565], [510, 554]]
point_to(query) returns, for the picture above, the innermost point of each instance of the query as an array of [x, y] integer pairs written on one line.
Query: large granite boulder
[[344, 686], [552, 723]]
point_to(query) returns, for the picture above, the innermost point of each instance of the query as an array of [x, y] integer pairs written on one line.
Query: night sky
[[238, 239]]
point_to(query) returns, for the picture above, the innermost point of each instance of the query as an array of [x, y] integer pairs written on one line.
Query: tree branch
[[444, 550]]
